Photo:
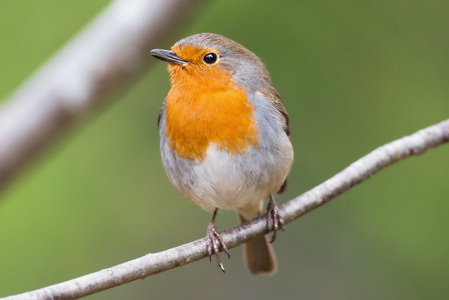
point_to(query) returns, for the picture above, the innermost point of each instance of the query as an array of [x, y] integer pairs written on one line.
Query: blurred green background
[[353, 75]]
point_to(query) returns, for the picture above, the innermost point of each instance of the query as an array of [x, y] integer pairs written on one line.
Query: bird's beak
[[168, 56]]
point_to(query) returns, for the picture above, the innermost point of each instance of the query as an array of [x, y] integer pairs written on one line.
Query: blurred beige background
[[353, 75]]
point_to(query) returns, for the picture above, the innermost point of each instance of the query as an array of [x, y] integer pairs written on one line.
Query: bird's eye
[[210, 58]]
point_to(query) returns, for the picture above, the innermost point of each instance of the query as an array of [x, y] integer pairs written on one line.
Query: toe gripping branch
[[215, 241]]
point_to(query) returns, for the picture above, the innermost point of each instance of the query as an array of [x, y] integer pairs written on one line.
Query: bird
[[225, 138]]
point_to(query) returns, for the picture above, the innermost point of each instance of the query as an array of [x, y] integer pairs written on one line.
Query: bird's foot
[[214, 240], [274, 218]]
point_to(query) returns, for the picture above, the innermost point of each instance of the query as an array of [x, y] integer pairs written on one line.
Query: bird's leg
[[274, 218], [212, 238]]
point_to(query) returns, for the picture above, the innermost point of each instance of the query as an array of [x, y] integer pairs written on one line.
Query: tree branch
[[96, 63], [150, 264]]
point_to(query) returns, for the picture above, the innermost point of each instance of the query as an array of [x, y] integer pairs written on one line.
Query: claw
[[222, 267]]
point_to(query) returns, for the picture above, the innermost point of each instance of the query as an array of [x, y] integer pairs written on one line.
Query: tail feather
[[259, 254]]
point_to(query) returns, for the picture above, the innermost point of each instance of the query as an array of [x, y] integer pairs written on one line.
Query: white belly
[[235, 182]]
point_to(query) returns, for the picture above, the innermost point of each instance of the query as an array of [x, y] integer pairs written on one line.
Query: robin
[[225, 137]]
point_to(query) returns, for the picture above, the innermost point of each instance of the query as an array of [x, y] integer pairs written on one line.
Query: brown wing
[[274, 96]]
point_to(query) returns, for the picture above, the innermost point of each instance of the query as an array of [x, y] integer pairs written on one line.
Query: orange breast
[[205, 106]]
